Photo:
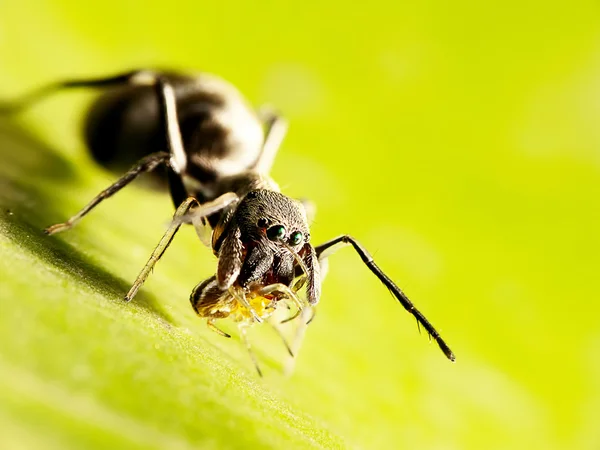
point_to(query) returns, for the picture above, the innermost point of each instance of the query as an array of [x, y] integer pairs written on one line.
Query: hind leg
[[142, 77]]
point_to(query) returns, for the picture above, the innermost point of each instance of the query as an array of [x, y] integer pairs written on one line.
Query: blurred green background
[[458, 141]]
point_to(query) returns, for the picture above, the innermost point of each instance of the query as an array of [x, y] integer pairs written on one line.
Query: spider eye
[[296, 238], [276, 232], [262, 223]]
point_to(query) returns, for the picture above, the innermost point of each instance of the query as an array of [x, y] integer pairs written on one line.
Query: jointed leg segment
[[146, 164], [326, 249], [240, 296], [290, 294], [137, 77], [161, 247], [243, 329], [165, 94], [276, 129], [211, 325]]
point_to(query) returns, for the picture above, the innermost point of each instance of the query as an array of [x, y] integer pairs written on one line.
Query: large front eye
[[296, 238], [276, 232]]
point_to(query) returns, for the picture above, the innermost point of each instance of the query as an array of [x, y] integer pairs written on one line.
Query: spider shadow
[[26, 164]]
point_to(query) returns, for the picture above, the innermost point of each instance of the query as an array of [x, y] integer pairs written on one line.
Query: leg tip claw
[[53, 229]]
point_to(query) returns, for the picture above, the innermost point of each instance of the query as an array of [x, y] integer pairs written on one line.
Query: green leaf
[[95, 371], [458, 141]]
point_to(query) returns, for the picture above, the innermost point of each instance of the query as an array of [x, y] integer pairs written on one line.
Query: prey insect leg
[[211, 324], [243, 329], [282, 337], [146, 164], [240, 296], [325, 250], [289, 294], [306, 317]]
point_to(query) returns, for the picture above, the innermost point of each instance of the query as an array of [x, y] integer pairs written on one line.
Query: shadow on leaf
[[27, 165]]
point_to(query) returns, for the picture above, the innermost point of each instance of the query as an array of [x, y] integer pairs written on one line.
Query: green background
[[458, 141]]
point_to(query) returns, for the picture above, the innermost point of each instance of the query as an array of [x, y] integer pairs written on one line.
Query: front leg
[[323, 251], [160, 248], [182, 211]]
